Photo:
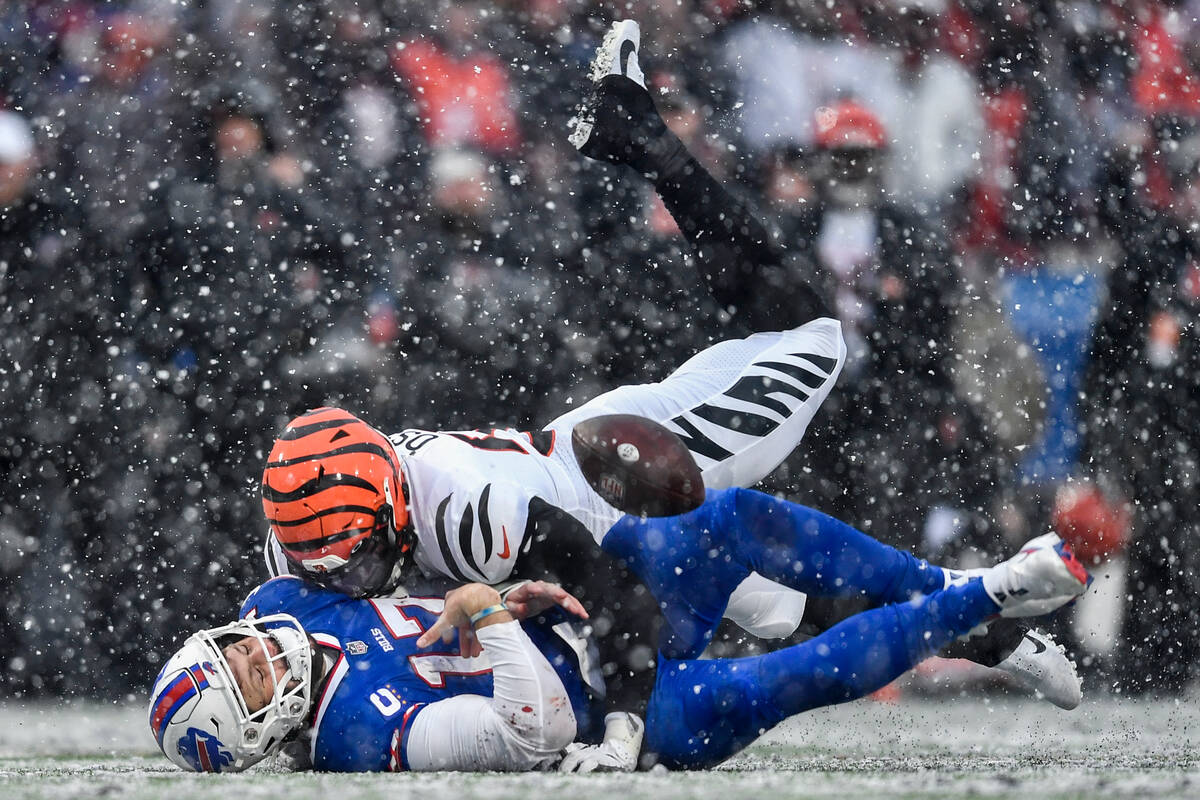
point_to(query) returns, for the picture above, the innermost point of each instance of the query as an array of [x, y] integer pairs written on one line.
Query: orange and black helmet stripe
[[323, 485]]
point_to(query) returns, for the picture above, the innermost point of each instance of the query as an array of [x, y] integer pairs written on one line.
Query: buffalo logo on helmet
[[203, 751]]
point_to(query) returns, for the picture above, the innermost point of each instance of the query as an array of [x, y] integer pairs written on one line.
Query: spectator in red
[[1163, 82], [463, 94]]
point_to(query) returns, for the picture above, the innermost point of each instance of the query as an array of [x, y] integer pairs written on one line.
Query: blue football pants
[[702, 712]]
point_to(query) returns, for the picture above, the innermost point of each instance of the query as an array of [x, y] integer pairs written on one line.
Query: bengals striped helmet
[[334, 495]]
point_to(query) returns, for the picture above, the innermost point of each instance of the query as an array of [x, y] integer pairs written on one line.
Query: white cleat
[[616, 55], [1042, 577], [1040, 665]]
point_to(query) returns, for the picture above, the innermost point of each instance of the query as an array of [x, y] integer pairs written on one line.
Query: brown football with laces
[[637, 465]]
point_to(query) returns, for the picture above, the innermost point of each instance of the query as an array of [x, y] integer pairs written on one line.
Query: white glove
[[617, 753]]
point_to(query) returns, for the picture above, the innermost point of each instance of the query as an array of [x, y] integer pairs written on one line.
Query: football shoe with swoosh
[[1041, 665], [618, 121]]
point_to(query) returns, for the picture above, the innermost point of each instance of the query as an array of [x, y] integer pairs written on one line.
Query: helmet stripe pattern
[[314, 517], [309, 545], [180, 690], [325, 483], [300, 431], [354, 448], [322, 482]]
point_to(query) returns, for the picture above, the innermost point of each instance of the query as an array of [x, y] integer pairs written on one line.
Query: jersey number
[[429, 667], [386, 701]]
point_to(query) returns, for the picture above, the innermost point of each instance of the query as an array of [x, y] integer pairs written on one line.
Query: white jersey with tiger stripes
[[741, 406], [469, 494]]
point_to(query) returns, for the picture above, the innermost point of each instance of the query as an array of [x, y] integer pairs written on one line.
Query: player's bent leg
[[734, 253], [674, 559], [703, 712], [767, 393], [814, 553], [1031, 658], [693, 563]]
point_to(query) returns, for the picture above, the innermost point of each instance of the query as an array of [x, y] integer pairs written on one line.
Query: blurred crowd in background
[[215, 215]]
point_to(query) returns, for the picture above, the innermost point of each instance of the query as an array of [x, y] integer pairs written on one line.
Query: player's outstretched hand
[[532, 598], [461, 603]]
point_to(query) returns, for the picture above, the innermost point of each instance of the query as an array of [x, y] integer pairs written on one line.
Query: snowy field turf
[[918, 748]]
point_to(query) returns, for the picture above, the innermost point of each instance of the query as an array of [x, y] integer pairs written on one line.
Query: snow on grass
[[919, 748]]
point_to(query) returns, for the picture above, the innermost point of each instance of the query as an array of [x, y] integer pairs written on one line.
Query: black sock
[[997, 644]]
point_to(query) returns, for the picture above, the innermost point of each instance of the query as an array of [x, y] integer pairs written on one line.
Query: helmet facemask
[[259, 733]]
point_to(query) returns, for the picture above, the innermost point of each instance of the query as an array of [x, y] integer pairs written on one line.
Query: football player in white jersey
[[352, 509]]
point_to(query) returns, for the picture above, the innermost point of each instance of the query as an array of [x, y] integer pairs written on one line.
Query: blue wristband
[[478, 615]]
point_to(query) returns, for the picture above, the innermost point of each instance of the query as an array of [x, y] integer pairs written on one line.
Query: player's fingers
[[524, 601], [543, 594], [571, 758], [435, 632], [575, 607], [568, 601]]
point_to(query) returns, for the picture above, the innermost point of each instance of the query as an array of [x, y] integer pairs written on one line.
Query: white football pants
[[741, 406]]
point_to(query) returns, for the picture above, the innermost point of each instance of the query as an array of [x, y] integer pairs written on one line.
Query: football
[[638, 465]]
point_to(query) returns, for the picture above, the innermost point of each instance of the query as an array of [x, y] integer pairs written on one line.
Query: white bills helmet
[[197, 712]]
